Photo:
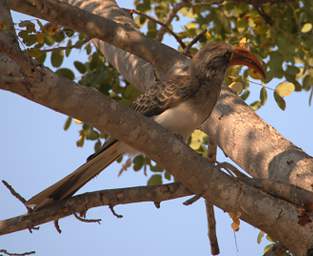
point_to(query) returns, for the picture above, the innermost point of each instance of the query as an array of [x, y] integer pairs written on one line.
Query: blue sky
[[35, 152]]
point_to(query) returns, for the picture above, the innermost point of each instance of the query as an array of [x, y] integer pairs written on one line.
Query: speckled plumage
[[179, 104]]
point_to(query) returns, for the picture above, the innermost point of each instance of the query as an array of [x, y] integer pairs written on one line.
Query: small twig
[[57, 226], [33, 228], [76, 45], [269, 88], [263, 14], [16, 254], [181, 43], [157, 204], [125, 166], [87, 220], [192, 200], [193, 41], [311, 96], [215, 250], [231, 168], [212, 151], [171, 15], [16, 195], [114, 212]]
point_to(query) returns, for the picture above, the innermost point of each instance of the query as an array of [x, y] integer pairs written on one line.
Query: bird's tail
[[67, 186]]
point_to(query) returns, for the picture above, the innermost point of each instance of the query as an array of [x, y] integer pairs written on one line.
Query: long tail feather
[[74, 181]]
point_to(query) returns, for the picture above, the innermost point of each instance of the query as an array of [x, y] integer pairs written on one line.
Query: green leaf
[[263, 95], [30, 27], [67, 123], [307, 82], [155, 179], [285, 89], [30, 39], [256, 105], [57, 57], [97, 145], [138, 162], [80, 67], [34, 52], [307, 27], [280, 101], [65, 72], [68, 48], [80, 141], [260, 237], [167, 175], [92, 134], [245, 95], [88, 48], [267, 248], [269, 238], [156, 168], [237, 87], [69, 32]]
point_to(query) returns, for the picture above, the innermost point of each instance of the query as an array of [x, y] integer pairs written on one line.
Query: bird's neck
[[209, 78]]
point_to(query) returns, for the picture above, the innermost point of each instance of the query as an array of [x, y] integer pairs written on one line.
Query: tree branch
[[170, 17], [85, 201]]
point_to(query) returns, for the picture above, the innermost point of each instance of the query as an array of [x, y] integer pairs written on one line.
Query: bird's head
[[214, 59]]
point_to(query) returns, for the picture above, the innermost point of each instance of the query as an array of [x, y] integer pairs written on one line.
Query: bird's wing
[[153, 102], [162, 96]]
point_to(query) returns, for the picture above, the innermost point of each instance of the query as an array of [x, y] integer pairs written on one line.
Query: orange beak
[[242, 56]]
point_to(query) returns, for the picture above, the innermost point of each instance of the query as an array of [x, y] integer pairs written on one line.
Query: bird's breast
[[188, 115]]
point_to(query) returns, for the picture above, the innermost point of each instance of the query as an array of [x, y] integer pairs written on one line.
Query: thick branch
[[86, 201], [256, 146]]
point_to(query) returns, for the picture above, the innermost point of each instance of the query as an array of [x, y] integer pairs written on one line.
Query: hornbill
[[180, 104]]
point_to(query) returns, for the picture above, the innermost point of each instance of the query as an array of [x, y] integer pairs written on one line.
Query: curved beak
[[242, 56]]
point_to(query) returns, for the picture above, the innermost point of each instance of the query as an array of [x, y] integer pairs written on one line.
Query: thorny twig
[[57, 226], [192, 200], [87, 220], [114, 212]]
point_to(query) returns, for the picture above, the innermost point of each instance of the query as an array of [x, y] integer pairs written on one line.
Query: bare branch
[[181, 43], [85, 201], [215, 250]]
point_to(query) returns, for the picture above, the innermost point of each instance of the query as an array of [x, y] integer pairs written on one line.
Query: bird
[[180, 104]]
